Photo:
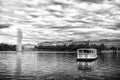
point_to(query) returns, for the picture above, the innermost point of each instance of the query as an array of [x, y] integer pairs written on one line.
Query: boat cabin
[[86, 54]]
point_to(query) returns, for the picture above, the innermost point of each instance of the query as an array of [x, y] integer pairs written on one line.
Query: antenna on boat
[[19, 40]]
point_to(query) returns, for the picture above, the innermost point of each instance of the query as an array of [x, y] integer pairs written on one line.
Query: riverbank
[[105, 51], [111, 51], [50, 51], [39, 52]]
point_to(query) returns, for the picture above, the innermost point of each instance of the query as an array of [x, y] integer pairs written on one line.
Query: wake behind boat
[[86, 54]]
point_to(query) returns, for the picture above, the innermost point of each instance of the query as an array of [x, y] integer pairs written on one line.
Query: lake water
[[53, 66]]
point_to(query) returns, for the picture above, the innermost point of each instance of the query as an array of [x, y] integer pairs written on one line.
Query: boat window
[[86, 51], [92, 51], [80, 51]]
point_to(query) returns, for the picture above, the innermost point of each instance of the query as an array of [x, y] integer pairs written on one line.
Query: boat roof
[[87, 49]]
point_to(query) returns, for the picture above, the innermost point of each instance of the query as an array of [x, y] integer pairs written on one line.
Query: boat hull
[[86, 59]]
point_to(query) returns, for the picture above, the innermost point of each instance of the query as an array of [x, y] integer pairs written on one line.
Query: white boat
[[86, 54]]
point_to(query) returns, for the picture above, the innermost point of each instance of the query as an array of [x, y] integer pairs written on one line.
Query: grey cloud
[[106, 35], [4, 26], [87, 37], [8, 35], [65, 27], [34, 16], [66, 24], [117, 25], [93, 1], [37, 26], [61, 3], [56, 15], [33, 38], [52, 11], [85, 33], [58, 3], [113, 28], [80, 21]]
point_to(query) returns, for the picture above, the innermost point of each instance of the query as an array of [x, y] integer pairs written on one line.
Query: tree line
[[7, 47], [73, 47]]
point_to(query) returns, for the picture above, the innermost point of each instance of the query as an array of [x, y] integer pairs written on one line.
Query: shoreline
[[43, 51], [110, 51], [106, 51]]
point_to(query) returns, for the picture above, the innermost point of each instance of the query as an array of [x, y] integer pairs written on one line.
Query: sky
[[59, 20]]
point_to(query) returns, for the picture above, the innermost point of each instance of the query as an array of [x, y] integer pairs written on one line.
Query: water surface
[[53, 66]]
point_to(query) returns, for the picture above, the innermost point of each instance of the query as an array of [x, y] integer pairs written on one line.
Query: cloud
[[117, 25], [52, 20], [4, 26], [93, 1]]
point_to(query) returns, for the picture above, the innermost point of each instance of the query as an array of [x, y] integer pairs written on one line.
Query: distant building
[[80, 43], [55, 43], [62, 43], [28, 47], [46, 44], [59, 43], [113, 43], [95, 43], [107, 43]]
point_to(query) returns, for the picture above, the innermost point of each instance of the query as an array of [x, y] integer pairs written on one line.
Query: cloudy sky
[[53, 20]]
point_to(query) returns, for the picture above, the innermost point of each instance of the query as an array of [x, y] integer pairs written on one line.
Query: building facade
[[28, 47], [107, 43]]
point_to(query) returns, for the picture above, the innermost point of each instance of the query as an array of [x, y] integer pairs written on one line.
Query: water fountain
[[19, 40]]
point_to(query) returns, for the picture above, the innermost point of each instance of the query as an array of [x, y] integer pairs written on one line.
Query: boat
[[86, 54]]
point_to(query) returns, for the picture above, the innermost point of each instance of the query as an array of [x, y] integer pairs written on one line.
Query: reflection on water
[[40, 66], [86, 66], [18, 66]]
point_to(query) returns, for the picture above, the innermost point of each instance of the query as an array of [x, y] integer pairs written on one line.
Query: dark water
[[62, 66]]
